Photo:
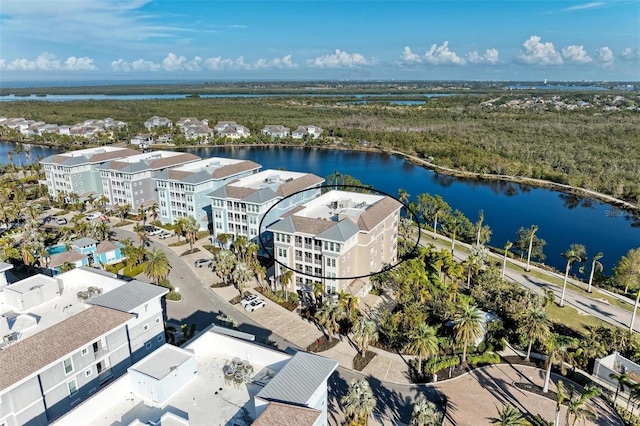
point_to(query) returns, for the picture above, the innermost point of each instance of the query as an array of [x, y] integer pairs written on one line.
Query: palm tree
[[191, 229], [467, 327], [507, 247], [455, 223], [27, 255], [627, 272], [595, 264], [363, 333], [242, 275], [225, 262], [561, 397], [535, 325], [575, 253], [623, 379], [328, 316], [423, 342], [425, 413], [578, 407], [103, 200], [285, 279], [157, 267], [531, 232], [123, 210], [479, 226], [179, 226], [67, 266], [155, 209], [141, 234], [557, 349], [508, 416], [403, 195], [359, 401]]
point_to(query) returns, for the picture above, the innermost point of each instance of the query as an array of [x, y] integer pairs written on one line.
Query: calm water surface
[[562, 219]]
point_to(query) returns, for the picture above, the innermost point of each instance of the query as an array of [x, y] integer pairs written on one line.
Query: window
[[88, 373], [68, 366], [160, 338], [145, 327], [158, 320], [72, 387], [148, 346], [84, 351]]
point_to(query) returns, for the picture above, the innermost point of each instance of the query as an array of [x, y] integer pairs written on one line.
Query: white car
[[61, 221], [165, 234], [245, 301], [256, 304], [93, 215], [202, 262], [156, 231]]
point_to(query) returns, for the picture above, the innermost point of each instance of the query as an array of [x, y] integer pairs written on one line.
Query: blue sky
[[302, 40]]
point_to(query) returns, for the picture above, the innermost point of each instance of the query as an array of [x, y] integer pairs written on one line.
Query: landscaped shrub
[[115, 268], [290, 303], [483, 359], [133, 270]]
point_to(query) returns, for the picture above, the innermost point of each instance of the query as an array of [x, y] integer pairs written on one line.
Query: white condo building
[[182, 191], [68, 337], [130, 180], [338, 239], [239, 207], [78, 171]]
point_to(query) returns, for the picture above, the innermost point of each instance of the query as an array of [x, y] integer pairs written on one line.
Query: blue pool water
[[56, 249]]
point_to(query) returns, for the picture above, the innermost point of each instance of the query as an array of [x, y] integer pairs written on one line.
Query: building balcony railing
[[308, 246], [298, 244], [299, 258], [100, 353]]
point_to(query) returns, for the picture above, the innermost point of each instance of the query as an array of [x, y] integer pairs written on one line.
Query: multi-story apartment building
[[337, 239], [65, 338], [130, 180], [156, 121], [77, 171], [182, 191], [239, 207]]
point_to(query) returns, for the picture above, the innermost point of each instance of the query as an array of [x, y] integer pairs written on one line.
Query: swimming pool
[[60, 248]]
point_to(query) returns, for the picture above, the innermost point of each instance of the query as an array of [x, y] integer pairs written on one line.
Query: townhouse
[[231, 130], [156, 121], [194, 129], [310, 131], [183, 191], [220, 377], [276, 131], [66, 338], [239, 207], [77, 171], [337, 239], [130, 181]]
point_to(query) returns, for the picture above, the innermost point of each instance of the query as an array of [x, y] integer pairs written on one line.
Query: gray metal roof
[[299, 379], [343, 230], [5, 266], [129, 296], [218, 193], [261, 196], [84, 242]]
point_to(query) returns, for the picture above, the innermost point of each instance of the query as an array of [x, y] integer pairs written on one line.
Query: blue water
[[35, 152], [56, 249], [562, 219], [554, 87]]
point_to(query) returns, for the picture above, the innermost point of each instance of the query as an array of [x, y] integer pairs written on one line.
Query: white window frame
[[64, 367], [69, 389], [84, 351], [145, 327], [88, 373]]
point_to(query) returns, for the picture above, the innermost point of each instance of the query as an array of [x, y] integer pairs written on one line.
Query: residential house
[[194, 129], [338, 239], [77, 171], [182, 191], [142, 141], [239, 207], [59, 348], [221, 373], [307, 132], [130, 180], [86, 252], [276, 131], [231, 130], [156, 121]]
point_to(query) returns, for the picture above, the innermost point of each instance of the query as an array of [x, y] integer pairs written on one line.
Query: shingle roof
[[34, 353], [129, 296], [305, 225], [84, 242], [299, 379], [376, 213], [84, 158], [299, 184], [59, 259], [277, 414], [232, 169], [105, 246]]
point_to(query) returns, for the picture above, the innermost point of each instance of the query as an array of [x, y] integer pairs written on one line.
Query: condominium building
[[239, 207], [77, 171], [182, 191], [338, 239], [66, 338], [130, 180], [221, 377]]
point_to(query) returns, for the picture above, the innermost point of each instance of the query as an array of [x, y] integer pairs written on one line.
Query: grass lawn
[[569, 317]]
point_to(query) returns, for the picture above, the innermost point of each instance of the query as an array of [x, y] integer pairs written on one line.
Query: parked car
[[93, 215], [148, 228], [202, 262], [246, 300], [155, 231], [256, 304], [61, 221], [165, 234]]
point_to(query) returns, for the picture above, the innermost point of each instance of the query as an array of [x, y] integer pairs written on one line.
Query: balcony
[[101, 353]]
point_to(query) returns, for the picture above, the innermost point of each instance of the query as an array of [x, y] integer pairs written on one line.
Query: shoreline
[[533, 182]]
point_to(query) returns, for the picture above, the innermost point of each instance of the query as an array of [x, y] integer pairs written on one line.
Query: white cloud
[[120, 66], [490, 56], [173, 62], [630, 55], [605, 56], [577, 54], [48, 62], [144, 65], [537, 53], [285, 62], [440, 55], [409, 57], [584, 6], [339, 59]]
